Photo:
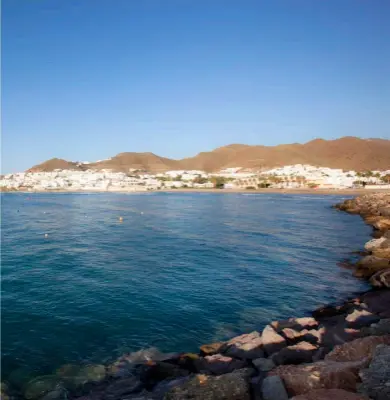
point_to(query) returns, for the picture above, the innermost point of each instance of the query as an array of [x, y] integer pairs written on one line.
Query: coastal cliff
[[339, 352]]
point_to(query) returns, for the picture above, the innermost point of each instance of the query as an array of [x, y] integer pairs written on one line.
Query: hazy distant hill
[[346, 153]]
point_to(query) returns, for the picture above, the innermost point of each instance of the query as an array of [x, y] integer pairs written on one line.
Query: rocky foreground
[[340, 352]]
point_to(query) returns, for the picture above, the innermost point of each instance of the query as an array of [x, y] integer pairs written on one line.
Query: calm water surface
[[181, 269]]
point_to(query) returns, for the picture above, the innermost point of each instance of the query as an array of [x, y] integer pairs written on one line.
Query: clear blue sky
[[87, 79]]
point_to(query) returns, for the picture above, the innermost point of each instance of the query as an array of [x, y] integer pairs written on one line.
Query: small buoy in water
[[142, 212], [120, 219], [46, 235]]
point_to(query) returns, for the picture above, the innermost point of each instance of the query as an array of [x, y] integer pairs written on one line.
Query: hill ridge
[[348, 153]]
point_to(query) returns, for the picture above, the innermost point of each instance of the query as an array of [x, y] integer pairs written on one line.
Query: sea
[[87, 277]]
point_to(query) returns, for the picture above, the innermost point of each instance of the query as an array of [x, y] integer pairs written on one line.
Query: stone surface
[[273, 389], [368, 265], [272, 341], [232, 386], [247, 346], [42, 385], [121, 388], [360, 317], [381, 279], [376, 378], [263, 364], [378, 329], [382, 223], [358, 349], [155, 372], [299, 379], [329, 394], [300, 353], [374, 243], [211, 348], [218, 364], [297, 324]]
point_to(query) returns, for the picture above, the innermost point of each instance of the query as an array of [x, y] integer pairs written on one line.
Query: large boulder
[[155, 372], [299, 379], [374, 243], [211, 348], [358, 349], [381, 279], [384, 211], [42, 385], [219, 364], [232, 386], [263, 364], [382, 224], [329, 394], [120, 388], [297, 324], [273, 389], [361, 317], [300, 353], [368, 265], [272, 341], [247, 346], [378, 329], [376, 378]]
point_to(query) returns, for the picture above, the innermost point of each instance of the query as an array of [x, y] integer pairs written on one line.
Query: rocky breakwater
[[375, 210], [339, 352]]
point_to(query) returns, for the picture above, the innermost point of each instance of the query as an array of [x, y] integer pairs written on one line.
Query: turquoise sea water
[[182, 269]]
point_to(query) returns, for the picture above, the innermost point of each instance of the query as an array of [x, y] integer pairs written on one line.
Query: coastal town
[[288, 177]]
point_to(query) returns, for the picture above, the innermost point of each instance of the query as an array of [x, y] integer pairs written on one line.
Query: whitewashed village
[[287, 177]]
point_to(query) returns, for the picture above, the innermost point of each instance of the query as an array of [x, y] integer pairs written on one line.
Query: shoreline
[[351, 192], [338, 344]]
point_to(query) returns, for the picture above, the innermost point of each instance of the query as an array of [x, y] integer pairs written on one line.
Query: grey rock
[[263, 364], [121, 388], [232, 386], [380, 328], [300, 353], [376, 378], [218, 364], [272, 341], [273, 388]]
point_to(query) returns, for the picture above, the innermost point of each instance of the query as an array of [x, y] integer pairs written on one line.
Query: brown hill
[[348, 153]]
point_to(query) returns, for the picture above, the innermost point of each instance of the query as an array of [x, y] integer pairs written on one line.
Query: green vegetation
[[218, 181], [250, 188], [200, 180]]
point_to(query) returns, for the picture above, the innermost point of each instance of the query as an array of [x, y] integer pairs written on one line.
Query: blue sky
[[87, 79]]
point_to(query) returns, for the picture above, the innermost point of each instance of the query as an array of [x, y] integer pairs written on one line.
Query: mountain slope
[[348, 153]]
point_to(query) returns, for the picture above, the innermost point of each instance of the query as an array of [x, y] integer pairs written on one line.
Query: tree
[[200, 180], [386, 178], [218, 181]]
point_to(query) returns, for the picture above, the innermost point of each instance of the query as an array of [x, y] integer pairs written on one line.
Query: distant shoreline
[[352, 192]]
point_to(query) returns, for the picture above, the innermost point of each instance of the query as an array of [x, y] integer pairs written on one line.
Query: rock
[[191, 362], [376, 379], [117, 390], [387, 234], [297, 324], [381, 279], [247, 346], [272, 341], [360, 317], [155, 372], [165, 386], [378, 329], [263, 364], [42, 385], [299, 379], [210, 349], [368, 265], [329, 394], [384, 211], [374, 243], [382, 252], [232, 386], [382, 224], [58, 394], [273, 389], [300, 353], [89, 374], [378, 302], [312, 336], [4, 391], [358, 349], [218, 364]]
